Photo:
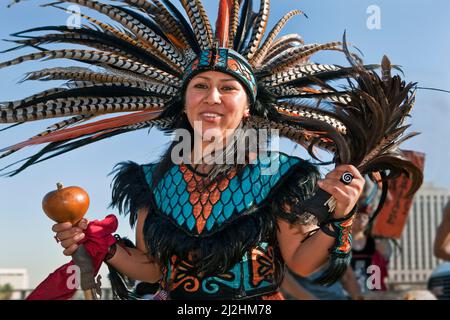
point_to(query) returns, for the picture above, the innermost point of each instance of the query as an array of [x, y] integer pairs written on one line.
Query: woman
[[442, 240], [369, 251], [220, 103], [208, 229]]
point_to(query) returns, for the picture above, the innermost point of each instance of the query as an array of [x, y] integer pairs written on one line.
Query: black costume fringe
[[220, 251], [121, 285], [130, 190]]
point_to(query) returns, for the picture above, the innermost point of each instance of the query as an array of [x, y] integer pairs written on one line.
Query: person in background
[[370, 255], [442, 240]]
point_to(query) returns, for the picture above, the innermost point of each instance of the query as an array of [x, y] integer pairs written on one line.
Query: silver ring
[[346, 178]]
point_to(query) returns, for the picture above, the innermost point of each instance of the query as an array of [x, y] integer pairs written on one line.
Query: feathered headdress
[[143, 63]]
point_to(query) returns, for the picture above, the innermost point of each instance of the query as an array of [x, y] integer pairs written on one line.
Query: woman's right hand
[[69, 235]]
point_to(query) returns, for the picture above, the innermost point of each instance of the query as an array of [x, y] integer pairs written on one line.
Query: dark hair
[[175, 110], [143, 288], [239, 139]]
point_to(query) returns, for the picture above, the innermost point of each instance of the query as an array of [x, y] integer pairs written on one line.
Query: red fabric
[[380, 261], [97, 241]]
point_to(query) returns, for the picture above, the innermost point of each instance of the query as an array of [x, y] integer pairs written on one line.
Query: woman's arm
[[442, 241], [289, 284], [137, 263], [304, 258]]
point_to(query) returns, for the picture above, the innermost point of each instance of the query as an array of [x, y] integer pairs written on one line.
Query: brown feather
[[81, 130], [380, 105], [234, 21]]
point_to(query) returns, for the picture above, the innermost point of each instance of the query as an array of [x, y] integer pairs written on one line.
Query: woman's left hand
[[346, 195]]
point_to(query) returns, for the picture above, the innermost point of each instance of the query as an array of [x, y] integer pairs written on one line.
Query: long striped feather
[[281, 44], [199, 21], [66, 123], [164, 18], [157, 90], [297, 73], [101, 41], [55, 127], [97, 90], [288, 92], [98, 57], [294, 111], [139, 29], [103, 26], [85, 74], [294, 132], [258, 29], [295, 55], [291, 37], [246, 20], [234, 21], [78, 131], [54, 149], [324, 76], [261, 52], [124, 36], [30, 99], [184, 25], [92, 42], [75, 106]]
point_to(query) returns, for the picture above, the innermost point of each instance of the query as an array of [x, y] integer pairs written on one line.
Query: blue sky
[[414, 34]]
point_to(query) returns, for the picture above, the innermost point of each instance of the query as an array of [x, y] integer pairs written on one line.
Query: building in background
[[414, 261], [17, 278]]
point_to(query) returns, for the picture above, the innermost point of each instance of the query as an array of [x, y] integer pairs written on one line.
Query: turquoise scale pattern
[[204, 58], [258, 179], [222, 58]]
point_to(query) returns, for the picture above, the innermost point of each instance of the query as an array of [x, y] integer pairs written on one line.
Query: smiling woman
[[217, 102], [215, 230]]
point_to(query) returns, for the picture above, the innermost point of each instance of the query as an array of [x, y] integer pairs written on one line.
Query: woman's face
[[215, 104], [361, 221]]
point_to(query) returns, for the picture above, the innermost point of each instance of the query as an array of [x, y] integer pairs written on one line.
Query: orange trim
[[275, 296], [262, 265]]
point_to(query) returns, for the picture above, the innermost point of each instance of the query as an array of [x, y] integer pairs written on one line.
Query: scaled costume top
[[217, 240]]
